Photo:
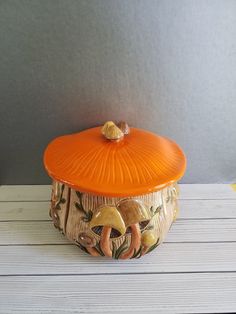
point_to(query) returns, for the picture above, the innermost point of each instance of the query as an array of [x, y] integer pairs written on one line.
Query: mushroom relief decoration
[[128, 213]]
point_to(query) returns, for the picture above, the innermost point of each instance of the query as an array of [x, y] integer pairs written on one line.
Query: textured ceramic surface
[[140, 163], [121, 228]]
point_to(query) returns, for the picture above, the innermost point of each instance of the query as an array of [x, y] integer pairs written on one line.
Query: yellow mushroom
[[133, 212], [175, 194], [176, 189], [176, 210], [107, 217], [148, 238]]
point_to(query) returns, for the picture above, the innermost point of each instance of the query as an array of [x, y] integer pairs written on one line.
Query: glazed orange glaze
[[142, 162]]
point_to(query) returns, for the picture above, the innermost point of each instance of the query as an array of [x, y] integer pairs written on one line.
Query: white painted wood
[[43, 232], [25, 192], [207, 191], [139, 293], [24, 210], [68, 259], [35, 232], [202, 231], [202, 209], [189, 209], [187, 191]]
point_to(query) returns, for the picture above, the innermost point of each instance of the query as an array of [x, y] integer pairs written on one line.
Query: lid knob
[[123, 126], [112, 132]]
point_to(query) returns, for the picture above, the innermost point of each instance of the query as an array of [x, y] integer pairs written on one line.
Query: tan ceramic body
[[72, 211]]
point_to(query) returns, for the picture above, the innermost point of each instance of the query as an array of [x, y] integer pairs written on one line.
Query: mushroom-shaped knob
[[112, 132], [123, 126]]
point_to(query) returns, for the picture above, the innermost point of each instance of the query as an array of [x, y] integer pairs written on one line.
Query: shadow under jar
[[114, 190]]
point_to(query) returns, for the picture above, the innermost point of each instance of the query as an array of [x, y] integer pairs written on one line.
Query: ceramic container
[[114, 190]]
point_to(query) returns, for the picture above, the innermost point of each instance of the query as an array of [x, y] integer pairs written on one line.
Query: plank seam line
[[25, 201], [167, 242], [180, 199], [28, 220], [212, 312], [230, 241], [36, 244], [179, 219], [122, 274]]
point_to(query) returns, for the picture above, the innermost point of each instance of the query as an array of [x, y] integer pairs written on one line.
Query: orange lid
[[113, 163]]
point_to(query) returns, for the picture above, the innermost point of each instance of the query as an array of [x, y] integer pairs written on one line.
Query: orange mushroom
[[88, 243], [133, 212]]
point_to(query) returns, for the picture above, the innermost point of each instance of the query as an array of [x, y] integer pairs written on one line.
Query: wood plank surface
[[207, 191], [43, 232], [24, 210], [18, 193], [68, 259], [137, 293], [187, 191]]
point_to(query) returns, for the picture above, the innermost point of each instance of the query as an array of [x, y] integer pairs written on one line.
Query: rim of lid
[[137, 163]]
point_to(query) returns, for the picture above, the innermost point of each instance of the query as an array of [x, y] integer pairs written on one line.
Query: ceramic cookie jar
[[114, 190]]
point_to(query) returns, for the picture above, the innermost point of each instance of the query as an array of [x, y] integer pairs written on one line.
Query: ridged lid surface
[[140, 163]]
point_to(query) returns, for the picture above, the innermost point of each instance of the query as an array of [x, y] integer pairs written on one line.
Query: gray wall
[[167, 66]]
